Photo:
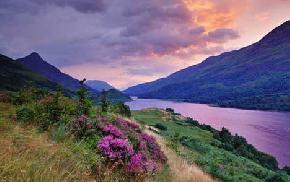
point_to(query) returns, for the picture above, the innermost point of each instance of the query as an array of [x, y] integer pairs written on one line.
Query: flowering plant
[[115, 148], [148, 144], [139, 164], [82, 127], [110, 129]]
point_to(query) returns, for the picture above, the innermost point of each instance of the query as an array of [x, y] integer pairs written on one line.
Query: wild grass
[[26, 154], [180, 169]]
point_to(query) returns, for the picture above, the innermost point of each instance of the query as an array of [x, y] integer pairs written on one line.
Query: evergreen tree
[[84, 104], [104, 101]]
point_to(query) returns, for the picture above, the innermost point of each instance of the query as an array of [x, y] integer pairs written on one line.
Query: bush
[[287, 169], [83, 127], [160, 126], [59, 133], [24, 114], [170, 110], [48, 111], [115, 148], [121, 109]]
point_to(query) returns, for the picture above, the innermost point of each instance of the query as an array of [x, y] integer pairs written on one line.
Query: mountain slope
[[37, 64], [14, 76], [255, 77], [99, 85]]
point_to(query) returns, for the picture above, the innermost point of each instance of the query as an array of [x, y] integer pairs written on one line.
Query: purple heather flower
[[127, 124], [136, 163], [113, 130], [115, 148]]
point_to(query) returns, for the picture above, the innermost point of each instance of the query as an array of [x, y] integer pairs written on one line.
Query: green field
[[199, 146]]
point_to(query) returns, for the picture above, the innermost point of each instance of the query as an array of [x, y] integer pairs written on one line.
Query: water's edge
[[268, 131]]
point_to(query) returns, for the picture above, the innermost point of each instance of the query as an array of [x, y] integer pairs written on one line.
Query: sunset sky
[[126, 42]]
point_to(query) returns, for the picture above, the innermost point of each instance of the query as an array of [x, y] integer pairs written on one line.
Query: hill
[[35, 62], [99, 85], [254, 77], [14, 76]]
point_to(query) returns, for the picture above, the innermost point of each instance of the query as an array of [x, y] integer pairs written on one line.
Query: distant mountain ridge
[[254, 77], [99, 85]]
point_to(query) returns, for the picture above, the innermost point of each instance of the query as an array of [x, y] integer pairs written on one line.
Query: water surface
[[267, 131]]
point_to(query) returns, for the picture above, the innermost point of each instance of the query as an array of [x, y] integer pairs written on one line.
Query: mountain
[[14, 76], [254, 77], [99, 85], [35, 62]]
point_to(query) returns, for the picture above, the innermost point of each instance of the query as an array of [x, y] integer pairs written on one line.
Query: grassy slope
[[216, 161], [27, 154]]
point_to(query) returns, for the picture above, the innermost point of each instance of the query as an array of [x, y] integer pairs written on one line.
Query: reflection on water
[[267, 131]]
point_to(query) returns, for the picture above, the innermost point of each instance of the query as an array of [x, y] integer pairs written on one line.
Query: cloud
[[84, 6], [142, 39], [222, 35]]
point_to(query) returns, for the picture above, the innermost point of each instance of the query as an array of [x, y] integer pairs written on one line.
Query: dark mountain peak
[[34, 56], [278, 35]]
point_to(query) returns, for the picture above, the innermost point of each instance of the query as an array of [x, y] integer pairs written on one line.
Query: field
[[200, 147]]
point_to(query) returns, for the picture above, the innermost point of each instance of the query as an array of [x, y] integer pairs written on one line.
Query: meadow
[[198, 144]]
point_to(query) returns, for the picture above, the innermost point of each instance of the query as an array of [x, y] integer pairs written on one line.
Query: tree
[[104, 101], [84, 104]]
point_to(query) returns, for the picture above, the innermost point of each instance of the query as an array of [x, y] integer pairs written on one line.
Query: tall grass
[[180, 169]]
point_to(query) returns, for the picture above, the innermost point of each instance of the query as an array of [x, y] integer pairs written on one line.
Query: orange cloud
[[214, 14]]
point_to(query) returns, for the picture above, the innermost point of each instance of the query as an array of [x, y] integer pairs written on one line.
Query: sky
[[127, 42]]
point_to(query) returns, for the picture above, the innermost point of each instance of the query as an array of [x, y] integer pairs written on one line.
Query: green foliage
[[120, 108], [25, 114], [59, 133], [104, 101], [239, 145], [84, 104], [160, 126], [278, 178], [287, 169], [28, 94], [49, 111]]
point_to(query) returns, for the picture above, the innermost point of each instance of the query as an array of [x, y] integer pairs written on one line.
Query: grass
[[198, 146], [27, 154], [179, 169]]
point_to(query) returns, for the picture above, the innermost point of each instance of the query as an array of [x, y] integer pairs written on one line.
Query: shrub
[[104, 101], [170, 110], [139, 164], [115, 148], [127, 125], [24, 114], [121, 109], [287, 169], [149, 144], [160, 126], [49, 111], [110, 129], [83, 127], [84, 104], [59, 133]]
